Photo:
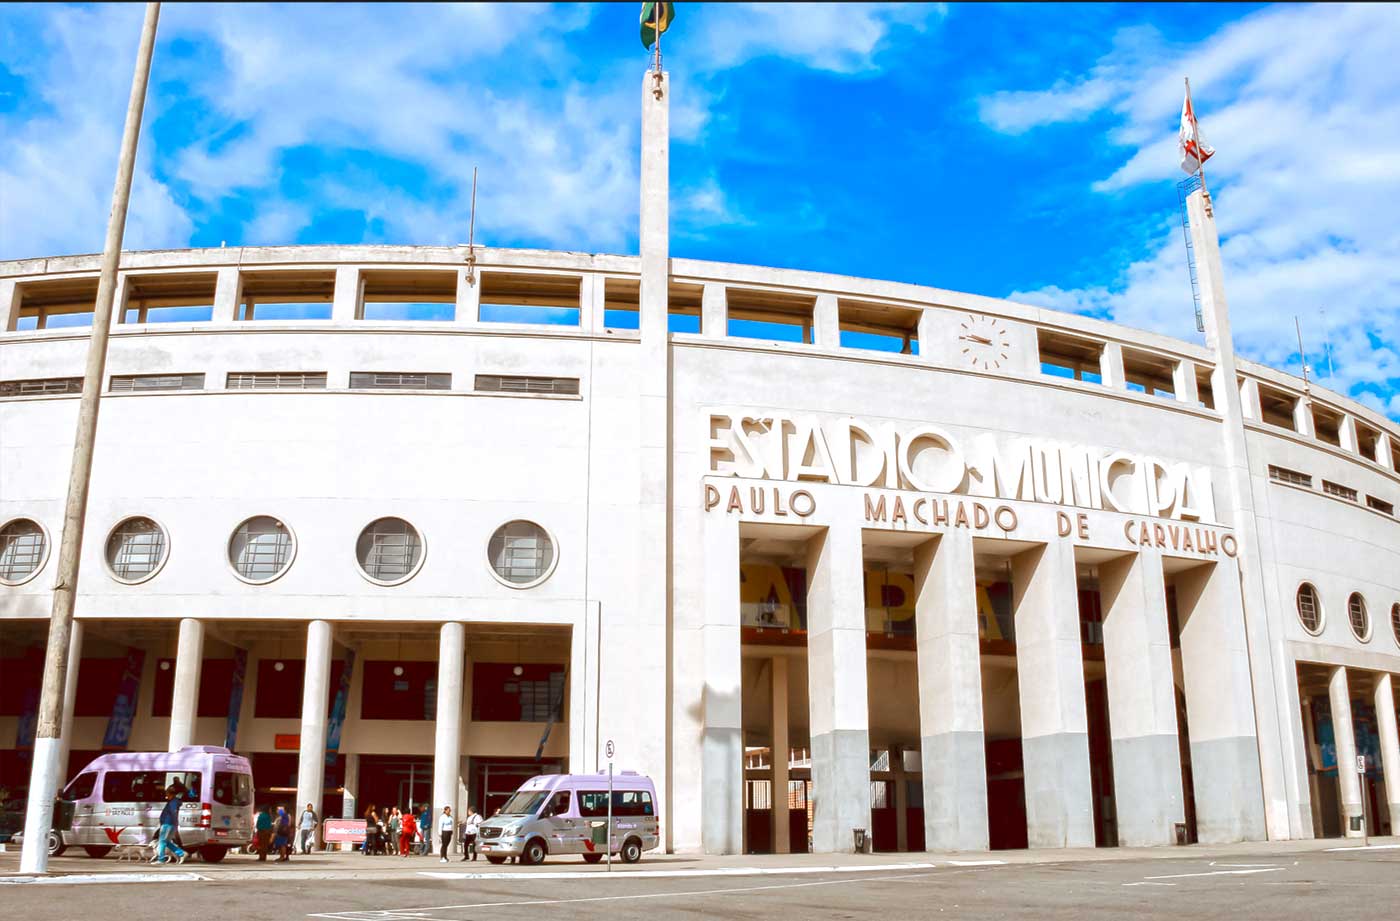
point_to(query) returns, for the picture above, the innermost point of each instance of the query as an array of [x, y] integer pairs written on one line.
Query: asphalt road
[[1314, 885]]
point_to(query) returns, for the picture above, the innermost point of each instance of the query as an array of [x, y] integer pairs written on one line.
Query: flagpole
[[656, 25], [1200, 150]]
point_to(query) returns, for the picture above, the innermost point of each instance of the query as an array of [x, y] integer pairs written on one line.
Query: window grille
[[496, 383], [1395, 621], [1338, 490], [521, 552], [22, 547], [135, 383], [260, 549], [1380, 505], [378, 380], [41, 386], [1291, 477], [277, 380], [389, 550], [135, 549], [1309, 611], [1360, 621]]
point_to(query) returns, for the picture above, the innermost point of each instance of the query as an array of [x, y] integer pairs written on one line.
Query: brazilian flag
[[656, 17]]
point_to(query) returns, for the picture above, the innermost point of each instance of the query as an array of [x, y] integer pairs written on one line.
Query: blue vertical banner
[[235, 698], [342, 700], [124, 706]]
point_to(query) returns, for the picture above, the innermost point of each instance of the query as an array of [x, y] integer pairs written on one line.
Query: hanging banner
[[124, 706], [235, 698], [337, 716]]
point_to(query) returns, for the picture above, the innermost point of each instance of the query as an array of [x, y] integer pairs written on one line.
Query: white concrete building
[[816, 553]]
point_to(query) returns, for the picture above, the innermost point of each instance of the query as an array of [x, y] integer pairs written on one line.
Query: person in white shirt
[[470, 826], [445, 826]]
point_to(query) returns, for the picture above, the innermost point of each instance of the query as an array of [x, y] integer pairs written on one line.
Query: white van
[[567, 814]]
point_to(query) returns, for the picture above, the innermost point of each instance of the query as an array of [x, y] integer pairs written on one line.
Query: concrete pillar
[[447, 740], [931, 342], [184, 702], [1346, 434], [345, 306], [714, 312], [1219, 705], [901, 799], [1297, 714], [839, 718], [722, 742], [9, 305], [1314, 790], [1390, 745], [1385, 452], [826, 322], [782, 838], [119, 298], [592, 302], [954, 756], [1111, 366], [315, 691], [582, 693], [1303, 422], [1344, 735], [1054, 722], [348, 805], [228, 289], [70, 696], [1184, 381], [1249, 398], [468, 307], [1141, 700]]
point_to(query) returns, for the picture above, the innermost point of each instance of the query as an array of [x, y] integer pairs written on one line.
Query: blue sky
[[1023, 151]]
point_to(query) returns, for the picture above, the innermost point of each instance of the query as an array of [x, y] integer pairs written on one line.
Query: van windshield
[[524, 802]]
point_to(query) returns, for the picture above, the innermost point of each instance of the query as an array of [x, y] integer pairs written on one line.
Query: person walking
[[392, 828], [408, 831], [425, 830], [371, 831], [282, 835], [470, 826], [445, 826], [309, 821], [264, 831], [169, 820]]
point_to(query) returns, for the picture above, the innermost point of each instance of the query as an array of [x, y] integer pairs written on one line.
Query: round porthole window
[[24, 548], [1309, 608], [136, 550], [1360, 620], [521, 554], [261, 549], [389, 551]]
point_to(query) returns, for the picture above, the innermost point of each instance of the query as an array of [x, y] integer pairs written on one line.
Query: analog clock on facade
[[984, 342]]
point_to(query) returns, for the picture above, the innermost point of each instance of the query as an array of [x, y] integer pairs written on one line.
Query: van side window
[[593, 803], [146, 786], [232, 789], [560, 804], [81, 787]]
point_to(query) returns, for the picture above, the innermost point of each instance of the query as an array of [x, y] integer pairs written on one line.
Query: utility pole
[[46, 772]]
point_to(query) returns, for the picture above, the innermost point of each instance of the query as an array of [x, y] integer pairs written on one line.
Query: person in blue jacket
[[169, 819]]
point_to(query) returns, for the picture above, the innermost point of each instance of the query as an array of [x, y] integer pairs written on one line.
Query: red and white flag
[[1193, 147]]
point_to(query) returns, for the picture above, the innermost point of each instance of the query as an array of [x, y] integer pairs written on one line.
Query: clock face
[[984, 342]]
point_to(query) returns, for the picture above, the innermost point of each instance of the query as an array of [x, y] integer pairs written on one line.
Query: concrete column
[[839, 718], [1310, 740], [1184, 380], [1390, 745], [352, 785], [345, 307], [1141, 700], [1219, 705], [1303, 417], [931, 345], [1297, 714], [119, 297], [782, 843], [315, 691], [1385, 452], [184, 703], [901, 799], [1344, 734], [1111, 366], [1054, 722], [592, 302], [70, 696], [714, 312], [9, 305], [722, 742], [954, 755], [468, 308], [1346, 434], [582, 691], [227, 293], [826, 322], [447, 742], [1249, 397]]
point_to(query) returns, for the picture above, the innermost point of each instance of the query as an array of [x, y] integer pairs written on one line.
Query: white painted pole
[[44, 775], [610, 816]]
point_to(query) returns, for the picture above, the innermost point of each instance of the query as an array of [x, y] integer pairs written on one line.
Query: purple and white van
[[567, 814], [118, 798]]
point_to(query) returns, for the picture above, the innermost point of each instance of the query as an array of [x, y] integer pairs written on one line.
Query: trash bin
[[1356, 823], [859, 834], [600, 834], [1180, 832]]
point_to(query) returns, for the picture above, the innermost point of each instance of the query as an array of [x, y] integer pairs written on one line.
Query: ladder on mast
[[1183, 192]]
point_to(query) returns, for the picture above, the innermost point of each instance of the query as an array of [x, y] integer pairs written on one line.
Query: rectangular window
[[136, 383], [880, 327], [1070, 356], [1327, 425], [500, 695], [1366, 440], [777, 316], [233, 789], [1145, 372], [626, 803], [1338, 490], [41, 387], [169, 298], [276, 380], [1204, 391], [146, 786], [290, 295], [82, 787], [396, 380], [413, 296], [1380, 505], [1277, 407], [551, 300], [56, 303], [399, 691], [501, 383], [1291, 477]]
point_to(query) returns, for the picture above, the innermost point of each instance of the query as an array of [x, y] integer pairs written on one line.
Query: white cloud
[[1303, 107]]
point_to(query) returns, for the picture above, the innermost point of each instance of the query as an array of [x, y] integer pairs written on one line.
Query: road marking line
[[718, 871], [1214, 864], [90, 878], [1149, 884], [1366, 847], [1217, 873], [377, 914]]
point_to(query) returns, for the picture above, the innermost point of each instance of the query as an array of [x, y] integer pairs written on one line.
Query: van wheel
[[97, 850], [495, 860], [212, 853], [631, 850], [592, 858], [534, 852], [56, 845]]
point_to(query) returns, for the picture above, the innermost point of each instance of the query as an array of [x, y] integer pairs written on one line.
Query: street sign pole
[[1361, 770], [610, 749]]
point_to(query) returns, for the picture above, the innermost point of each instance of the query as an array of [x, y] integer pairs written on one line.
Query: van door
[[86, 812], [563, 834]]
